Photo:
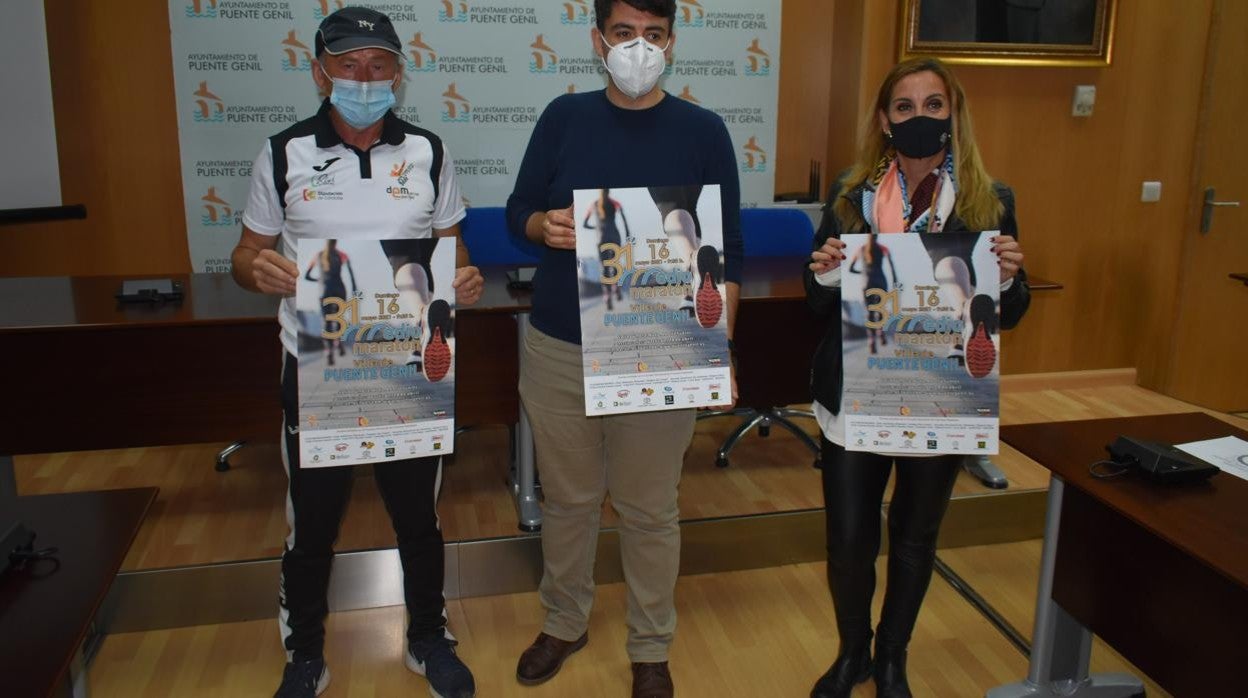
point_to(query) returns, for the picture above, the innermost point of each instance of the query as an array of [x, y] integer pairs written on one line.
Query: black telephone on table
[[1159, 462]]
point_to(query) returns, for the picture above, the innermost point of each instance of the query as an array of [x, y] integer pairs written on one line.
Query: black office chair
[[772, 232]]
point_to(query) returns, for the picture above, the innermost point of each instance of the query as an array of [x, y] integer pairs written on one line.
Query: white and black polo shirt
[[307, 183]]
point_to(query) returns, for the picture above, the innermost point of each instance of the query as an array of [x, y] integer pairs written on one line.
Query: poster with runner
[[921, 343], [654, 325], [376, 350]]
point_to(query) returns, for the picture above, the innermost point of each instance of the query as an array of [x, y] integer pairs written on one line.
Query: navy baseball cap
[[354, 28]]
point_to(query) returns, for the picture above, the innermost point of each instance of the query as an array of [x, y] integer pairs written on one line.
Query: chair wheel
[[721, 462]]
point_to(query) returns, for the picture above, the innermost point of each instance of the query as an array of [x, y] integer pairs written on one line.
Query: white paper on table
[[1229, 453]]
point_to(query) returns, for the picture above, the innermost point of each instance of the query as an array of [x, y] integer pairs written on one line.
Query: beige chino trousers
[[637, 459]]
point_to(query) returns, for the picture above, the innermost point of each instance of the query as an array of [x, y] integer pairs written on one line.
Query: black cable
[[26, 555], [1123, 469]]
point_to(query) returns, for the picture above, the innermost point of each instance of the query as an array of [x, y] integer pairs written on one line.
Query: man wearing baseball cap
[[327, 177]]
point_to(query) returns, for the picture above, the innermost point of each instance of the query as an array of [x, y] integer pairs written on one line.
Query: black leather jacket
[[825, 372]]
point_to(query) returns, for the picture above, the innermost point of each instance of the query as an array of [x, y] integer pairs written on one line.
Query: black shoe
[[852, 667], [435, 659], [305, 679], [890, 672]]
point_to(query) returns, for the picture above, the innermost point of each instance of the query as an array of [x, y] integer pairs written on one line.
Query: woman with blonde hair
[[919, 171]]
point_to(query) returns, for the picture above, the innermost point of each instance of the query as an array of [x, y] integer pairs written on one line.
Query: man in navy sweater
[[632, 134]]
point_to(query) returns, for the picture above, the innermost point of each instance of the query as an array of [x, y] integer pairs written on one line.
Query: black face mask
[[921, 136]]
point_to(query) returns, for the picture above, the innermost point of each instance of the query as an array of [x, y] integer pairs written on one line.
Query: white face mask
[[635, 66]]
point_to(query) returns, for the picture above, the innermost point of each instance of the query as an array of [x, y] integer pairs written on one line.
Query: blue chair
[[776, 232], [485, 234], [767, 232]]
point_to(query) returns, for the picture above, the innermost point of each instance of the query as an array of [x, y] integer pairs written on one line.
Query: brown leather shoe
[[541, 661], [652, 680]]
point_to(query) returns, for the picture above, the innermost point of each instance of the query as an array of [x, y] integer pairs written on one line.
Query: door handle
[[1206, 217]]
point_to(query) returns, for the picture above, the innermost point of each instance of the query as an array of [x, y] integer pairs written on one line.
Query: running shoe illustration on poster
[[376, 350], [921, 343], [654, 329]]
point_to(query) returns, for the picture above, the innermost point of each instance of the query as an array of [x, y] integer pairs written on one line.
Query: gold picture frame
[[1069, 33]]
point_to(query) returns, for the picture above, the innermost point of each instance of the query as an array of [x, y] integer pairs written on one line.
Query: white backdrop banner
[[479, 73]]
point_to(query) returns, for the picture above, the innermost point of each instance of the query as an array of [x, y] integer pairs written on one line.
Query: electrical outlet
[[1085, 100]]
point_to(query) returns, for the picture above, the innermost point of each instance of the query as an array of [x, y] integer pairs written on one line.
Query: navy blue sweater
[[582, 141]]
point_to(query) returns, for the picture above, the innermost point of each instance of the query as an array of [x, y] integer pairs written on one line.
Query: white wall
[[29, 176]]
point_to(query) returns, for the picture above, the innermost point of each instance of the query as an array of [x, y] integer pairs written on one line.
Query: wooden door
[[1208, 363]]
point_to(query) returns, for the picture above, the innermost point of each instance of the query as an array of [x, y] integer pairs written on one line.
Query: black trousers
[[853, 490], [315, 502]]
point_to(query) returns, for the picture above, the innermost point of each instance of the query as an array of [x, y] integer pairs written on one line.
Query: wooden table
[[1158, 572], [45, 610], [94, 373]]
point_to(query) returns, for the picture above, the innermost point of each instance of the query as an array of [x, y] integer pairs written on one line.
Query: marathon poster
[[921, 343], [376, 350], [654, 320]]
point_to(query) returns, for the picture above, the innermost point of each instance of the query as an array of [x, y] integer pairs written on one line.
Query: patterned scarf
[[888, 208]]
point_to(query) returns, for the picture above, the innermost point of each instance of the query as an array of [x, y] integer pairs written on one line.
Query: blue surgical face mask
[[361, 104]]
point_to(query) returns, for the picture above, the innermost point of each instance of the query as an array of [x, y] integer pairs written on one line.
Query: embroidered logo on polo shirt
[[401, 171], [321, 195], [315, 191], [401, 174], [325, 165]]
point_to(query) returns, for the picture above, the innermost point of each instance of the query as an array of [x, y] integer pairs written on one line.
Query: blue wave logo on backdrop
[[217, 211], [325, 8], [202, 8], [209, 108], [545, 60], [690, 13], [456, 107], [755, 156], [576, 12], [757, 61], [422, 57], [453, 11], [296, 56]]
